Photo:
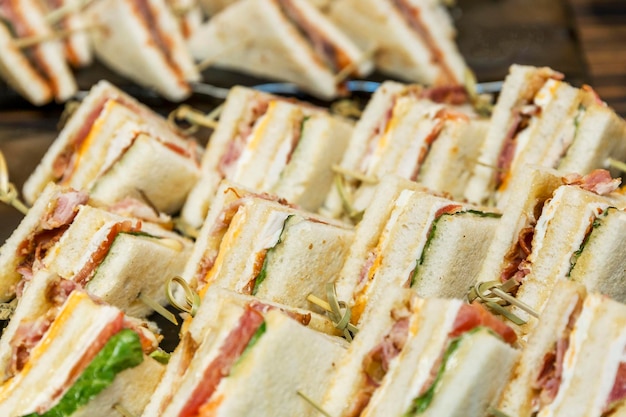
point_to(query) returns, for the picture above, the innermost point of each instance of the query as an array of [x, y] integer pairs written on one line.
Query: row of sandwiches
[[316, 45], [392, 334], [249, 349]]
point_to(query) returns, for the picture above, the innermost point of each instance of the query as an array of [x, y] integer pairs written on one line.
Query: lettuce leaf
[[121, 352]]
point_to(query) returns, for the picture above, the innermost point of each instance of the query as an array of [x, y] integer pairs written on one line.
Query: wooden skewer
[[123, 410], [614, 163], [68, 8], [354, 174], [30, 41], [8, 192]]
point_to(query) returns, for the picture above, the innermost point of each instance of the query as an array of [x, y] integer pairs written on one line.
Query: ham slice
[[474, 315], [232, 347]]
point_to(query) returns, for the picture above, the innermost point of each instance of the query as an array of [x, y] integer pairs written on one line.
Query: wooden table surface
[[601, 28], [581, 38]]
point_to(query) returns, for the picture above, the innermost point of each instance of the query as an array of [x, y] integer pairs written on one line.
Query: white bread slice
[[212, 7], [520, 87], [17, 71], [517, 398], [125, 43], [398, 150], [189, 15], [264, 128], [308, 177], [600, 267], [164, 176], [369, 230], [452, 157], [600, 134], [254, 36], [455, 251], [402, 51]]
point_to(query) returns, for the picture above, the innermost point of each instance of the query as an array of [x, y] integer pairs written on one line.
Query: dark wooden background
[[582, 38]]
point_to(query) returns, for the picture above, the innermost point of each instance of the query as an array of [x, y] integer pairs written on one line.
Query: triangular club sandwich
[[141, 40], [38, 72], [203, 323], [120, 147], [573, 364], [430, 135], [294, 145], [119, 259], [413, 40], [67, 15], [238, 356], [287, 40], [541, 236], [566, 224], [403, 354], [264, 248], [540, 119], [414, 239], [80, 358]]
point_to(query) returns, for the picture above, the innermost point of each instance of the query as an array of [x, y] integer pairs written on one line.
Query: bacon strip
[[598, 181], [231, 349]]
